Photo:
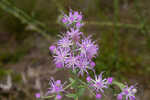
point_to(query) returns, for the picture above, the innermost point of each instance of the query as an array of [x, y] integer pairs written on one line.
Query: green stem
[[116, 29], [111, 24], [67, 86], [83, 83], [120, 85], [47, 97]]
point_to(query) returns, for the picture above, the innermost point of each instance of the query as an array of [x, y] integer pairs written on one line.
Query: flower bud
[[52, 48], [58, 97], [92, 64], [98, 96], [37, 95]]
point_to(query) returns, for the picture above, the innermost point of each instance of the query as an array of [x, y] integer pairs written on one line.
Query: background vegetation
[[28, 27]]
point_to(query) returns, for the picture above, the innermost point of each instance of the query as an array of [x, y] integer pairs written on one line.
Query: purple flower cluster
[[73, 19], [74, 50], [128, 92], [99, 84]]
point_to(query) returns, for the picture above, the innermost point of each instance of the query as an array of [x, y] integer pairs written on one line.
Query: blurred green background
[[29, 27]]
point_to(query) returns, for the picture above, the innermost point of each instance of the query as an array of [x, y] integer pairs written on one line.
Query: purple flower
[[77, 16], [119, 97], [109, 80], [37, 95], [128, 92], [59, 65], [88, 79], [79, 24], [65, 42], [64, 19], [56, 87], [88, 48], [61, 56], [92, 64], [98, 96], [83, 65], [74, 18], [74, 34], [58, 97], [98, 84], [52, 48], [72, 62]]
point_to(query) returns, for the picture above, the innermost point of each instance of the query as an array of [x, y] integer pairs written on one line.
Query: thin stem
[[83, 83], [25, 18], [111, 24], [67, 86], [47, 97], [116, 31], [120, 85]]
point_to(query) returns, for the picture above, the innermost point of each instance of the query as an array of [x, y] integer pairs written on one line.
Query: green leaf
[[120, 85], [73, 82], [80, 92]]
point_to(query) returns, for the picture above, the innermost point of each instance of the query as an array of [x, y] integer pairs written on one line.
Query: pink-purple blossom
[[56, 87], [74, 34], [76, 52], [99, 84], [88, 48], [73, 19], [88, 79], [72, 61], [58, 97], [83, 65], [98, 96], [79, 24], [128, 92], [52, 48], [65, 42], [60, 56], [37, 95], [92, 64]]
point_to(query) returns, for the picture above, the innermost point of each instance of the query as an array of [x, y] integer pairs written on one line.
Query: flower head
[[72, 61], [58, 97], [83, 65], [88, 48], [65, 42], [99, 84], [128, 92], [55, 86], [74, 34], [61, 56], [74, 18], [79, 24]]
